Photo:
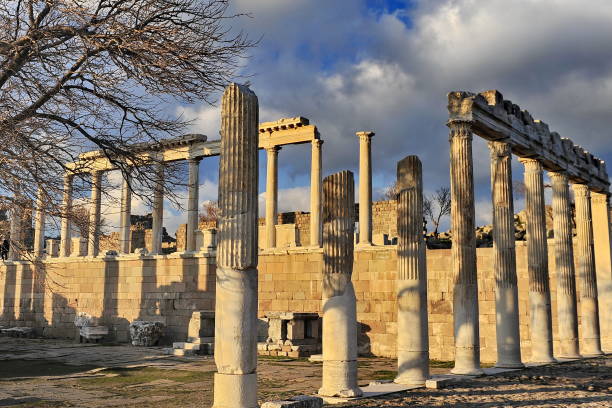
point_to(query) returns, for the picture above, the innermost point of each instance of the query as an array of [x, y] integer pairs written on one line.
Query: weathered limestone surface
[[271, 195], [603, 265], [65, 238], [567, 314], [412, 321], [192, 204], [93, 240], [339, 302], [537, 253], [145, 334], [315, 194], [235, 383], [465, 290], [39, 228], [158, 211], [591, 345], [365, 187], [506, 290], [126, 211]]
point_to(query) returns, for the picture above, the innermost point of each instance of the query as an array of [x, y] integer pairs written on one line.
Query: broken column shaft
[[591, 344], [339, 302], [412, 334], [235, 382], [504, 252]]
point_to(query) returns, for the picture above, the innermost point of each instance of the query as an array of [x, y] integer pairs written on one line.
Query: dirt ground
[[53, 373]]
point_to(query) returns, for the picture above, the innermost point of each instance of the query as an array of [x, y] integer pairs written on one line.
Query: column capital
[[558, 175], [273, 149], [581, 190], [460, 129], [600, 198], [316, 143], [500, 148], [531, 162], [365, 136], [195, 160]]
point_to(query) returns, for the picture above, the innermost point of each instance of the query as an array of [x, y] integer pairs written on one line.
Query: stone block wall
[[117, 290], [292, 282]]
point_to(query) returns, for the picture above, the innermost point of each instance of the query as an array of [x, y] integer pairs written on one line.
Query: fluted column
[[65, 237], [235, 382], [365, 187], [567, 315], [15, 231], [192, 204], [271, 195], [315, 194], [158, 211], [339, 302], [603, 265], [504, 255], [465, 290], [591, 344], [93, 242], [126, 212], [412, 334], [39, 225], [540, 312]]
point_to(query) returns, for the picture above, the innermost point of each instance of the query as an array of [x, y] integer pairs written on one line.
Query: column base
[[467, 361], [591, 348], [405, 380], [235, 391], [340, 379], [509, 365]]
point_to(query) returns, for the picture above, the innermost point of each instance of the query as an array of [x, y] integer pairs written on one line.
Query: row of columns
[[365, 192], [506, 292]]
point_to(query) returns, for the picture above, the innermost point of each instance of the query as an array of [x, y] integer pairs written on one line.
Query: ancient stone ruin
[[297, 284]]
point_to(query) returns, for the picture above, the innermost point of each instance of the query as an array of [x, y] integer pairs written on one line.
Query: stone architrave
[[93, 240], [39, 225], [603, 265], [412, 334], [235, 382], [567, 315], [465, 290], [540, 312], [192, 204], [339, 301], [504, 252], [65, 238], [315, 194], [126, 211], [585, 255], [271, 195], [365, 187], [158, 211]]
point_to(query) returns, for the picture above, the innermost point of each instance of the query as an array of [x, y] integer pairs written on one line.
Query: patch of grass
[[383, 375], [441, 364], [141, 375]]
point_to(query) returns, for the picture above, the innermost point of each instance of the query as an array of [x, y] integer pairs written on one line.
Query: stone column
[[504, 255], [271, 195], [235, 383], [339, 302], [192, 204], [567, 315], [603, 265], [315, 194], [126, 212], [39, 225], [15, 231], [537, 264], [65, 237], [158, 212], [93, 243], [412, 334], [465, 290], [365, 187], [591, 345]]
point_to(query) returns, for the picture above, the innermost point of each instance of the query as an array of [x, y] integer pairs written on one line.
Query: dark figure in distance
[[4, 249]]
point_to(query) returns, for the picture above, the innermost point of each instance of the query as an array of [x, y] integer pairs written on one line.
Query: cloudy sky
[[386, 66]]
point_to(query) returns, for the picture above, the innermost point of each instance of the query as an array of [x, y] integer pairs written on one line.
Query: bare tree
[[80, 75], [211, 212], [390, 192], [437, 206]]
